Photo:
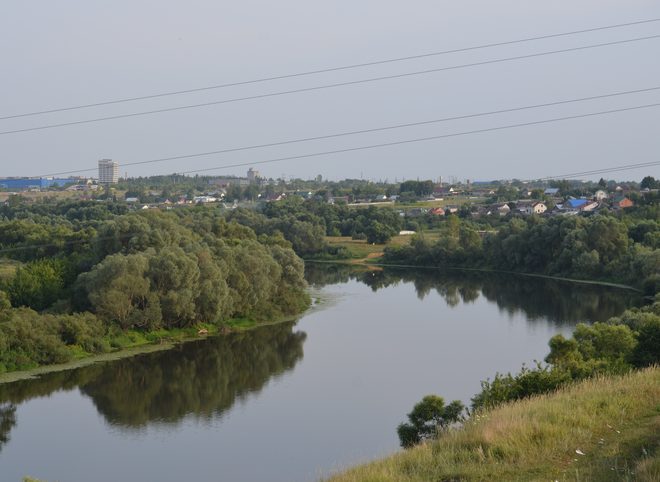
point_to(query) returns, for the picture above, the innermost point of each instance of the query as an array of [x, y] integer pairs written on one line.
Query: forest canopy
[[86, 273]]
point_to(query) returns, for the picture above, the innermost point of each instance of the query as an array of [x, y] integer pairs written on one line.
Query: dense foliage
[[616, 346], [428, 419], [98, 273], [306, 223], [600, 247]]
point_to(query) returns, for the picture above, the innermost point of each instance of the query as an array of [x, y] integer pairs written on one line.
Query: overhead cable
[[326, 86], [369, 130], [423, 139], [330, 69]]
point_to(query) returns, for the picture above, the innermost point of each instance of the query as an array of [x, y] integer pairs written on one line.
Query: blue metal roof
[[28, 183], [576, 203]]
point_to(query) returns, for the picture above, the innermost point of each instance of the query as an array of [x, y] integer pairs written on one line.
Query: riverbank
[[132, 343], [368, 255], [601, 429]]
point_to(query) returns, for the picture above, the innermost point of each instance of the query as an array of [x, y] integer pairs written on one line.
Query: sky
[[73, 52]]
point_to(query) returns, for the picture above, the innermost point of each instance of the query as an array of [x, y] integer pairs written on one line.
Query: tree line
[[85, 279], [601, 247]]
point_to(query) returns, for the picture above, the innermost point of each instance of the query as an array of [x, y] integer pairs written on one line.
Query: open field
[[361, 251], [448, 201], [7, 268], [404, 206], [604, 429]]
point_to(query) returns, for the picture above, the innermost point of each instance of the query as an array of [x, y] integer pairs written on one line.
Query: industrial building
[[24, 183]]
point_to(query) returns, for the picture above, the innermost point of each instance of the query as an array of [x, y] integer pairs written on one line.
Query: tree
[[647, 351], [420, 188], [649, 182], [563, 185], [378, 233], [118, 290], [234, 192], [174, 277], [428, 418], [38, 284], [601, 347]]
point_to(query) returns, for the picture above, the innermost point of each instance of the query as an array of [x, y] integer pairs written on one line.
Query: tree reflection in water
[[561, 302], [7, 422], [203, 378]]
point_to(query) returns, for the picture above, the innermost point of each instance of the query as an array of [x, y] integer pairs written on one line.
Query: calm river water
[[295, 401]]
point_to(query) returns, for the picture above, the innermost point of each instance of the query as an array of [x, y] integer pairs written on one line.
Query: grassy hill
[[604, 429]]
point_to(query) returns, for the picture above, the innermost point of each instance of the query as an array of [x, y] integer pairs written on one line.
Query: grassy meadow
[[604, 429]]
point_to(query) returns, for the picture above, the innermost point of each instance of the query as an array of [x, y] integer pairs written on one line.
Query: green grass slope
[[604, 429]]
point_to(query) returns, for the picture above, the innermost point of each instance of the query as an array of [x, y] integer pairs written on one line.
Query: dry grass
[[614, 422], [359, 249], [363, 252], [8, 268]]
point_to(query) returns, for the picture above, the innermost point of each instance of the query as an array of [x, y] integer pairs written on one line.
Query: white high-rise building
[[108, 171], [253, 175]]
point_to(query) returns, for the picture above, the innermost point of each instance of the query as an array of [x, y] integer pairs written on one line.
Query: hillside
[[599, 430]]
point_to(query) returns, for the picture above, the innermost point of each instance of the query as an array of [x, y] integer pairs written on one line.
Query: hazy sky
[[70, 52]]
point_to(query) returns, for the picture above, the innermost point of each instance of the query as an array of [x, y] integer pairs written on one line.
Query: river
[[297, 400]]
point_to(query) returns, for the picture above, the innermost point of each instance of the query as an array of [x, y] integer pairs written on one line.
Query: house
[[622, 202], [551, 191], [416, 212], [539, 207], [437, 212], [204, 199], [444, 191], [590, 206], [276, 197], [600, 195], [524, 207], [482, 211], [575, 204], [533, 207], [503, 209], [451, 209]]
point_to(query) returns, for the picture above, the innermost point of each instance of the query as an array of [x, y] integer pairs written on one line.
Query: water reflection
[[7, 422], [205, 379], [562, 302], [202, 378]]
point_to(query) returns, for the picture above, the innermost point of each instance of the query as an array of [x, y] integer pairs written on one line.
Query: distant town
[[412, 198]]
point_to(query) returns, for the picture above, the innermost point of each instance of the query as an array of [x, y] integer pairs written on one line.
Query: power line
[[421, 139], [328, 86], [370, 130], [330, 69], [625, 167]]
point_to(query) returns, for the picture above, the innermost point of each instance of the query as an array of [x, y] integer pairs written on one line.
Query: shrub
[[428, 418]]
